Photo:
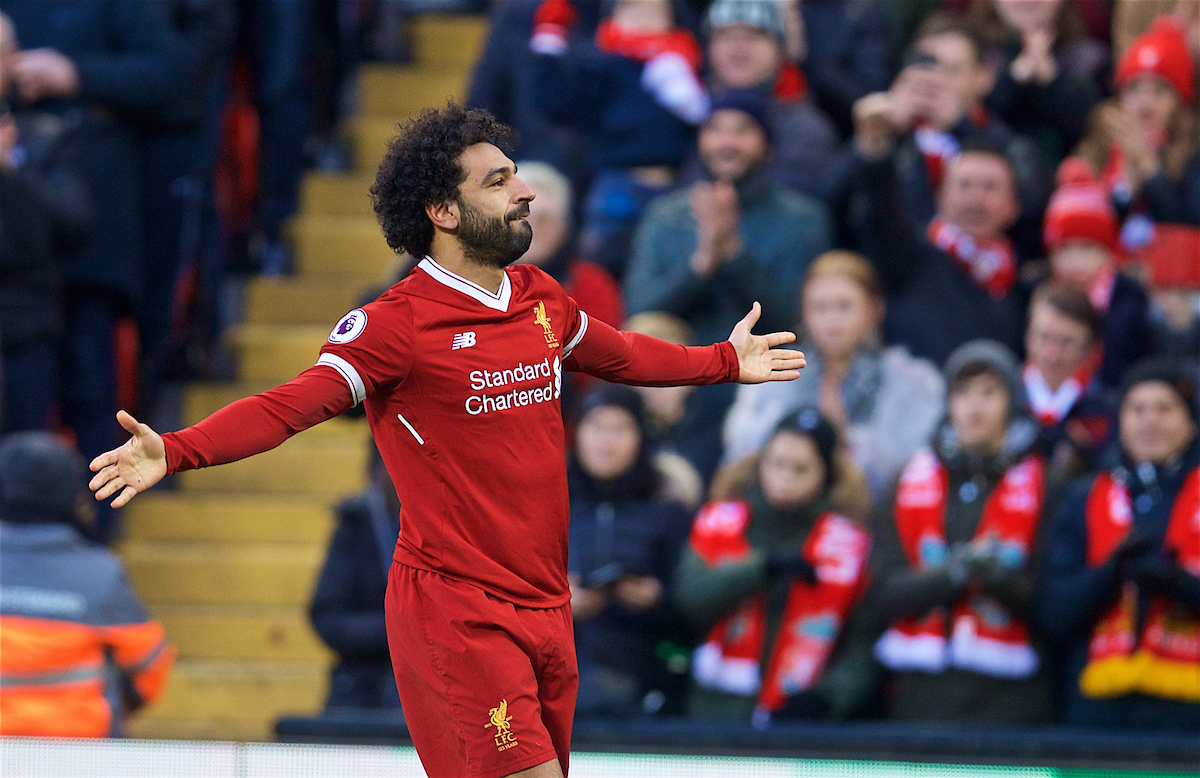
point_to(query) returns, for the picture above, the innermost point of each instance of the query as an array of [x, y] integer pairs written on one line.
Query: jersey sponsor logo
[[350, 327], [517, 397], [498, 717], [463, 340], [541, 319]]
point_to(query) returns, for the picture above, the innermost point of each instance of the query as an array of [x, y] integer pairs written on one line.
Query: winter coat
[[933, 307], [45, 213], [900, 592], [621, 527], [1078, 595], [347, 606], [893, 402], [781, 234]]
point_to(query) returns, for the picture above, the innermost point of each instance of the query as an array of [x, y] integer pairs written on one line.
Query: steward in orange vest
[[773, 579], [1122, 575], [954, 557], [78, 652]]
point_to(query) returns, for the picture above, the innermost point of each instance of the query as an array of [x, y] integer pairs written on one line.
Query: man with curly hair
[[460, 367]]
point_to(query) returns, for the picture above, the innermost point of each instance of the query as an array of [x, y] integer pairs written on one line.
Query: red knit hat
[[1081, 208], [1161, 51]]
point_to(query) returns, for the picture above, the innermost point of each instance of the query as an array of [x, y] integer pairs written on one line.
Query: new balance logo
[[463, 340]]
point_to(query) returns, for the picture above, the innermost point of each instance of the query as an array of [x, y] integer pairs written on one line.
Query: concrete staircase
[[229, 559]]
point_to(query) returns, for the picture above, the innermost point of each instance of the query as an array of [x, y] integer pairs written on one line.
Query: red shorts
[[487, 687]]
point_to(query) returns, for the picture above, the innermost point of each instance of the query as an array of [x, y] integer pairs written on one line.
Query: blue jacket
[[602, 94], [1076, 596]]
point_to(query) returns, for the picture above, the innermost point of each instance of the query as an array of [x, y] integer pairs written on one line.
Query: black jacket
[[347, 607]]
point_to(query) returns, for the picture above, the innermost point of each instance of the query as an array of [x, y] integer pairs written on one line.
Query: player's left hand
[[758, 359]]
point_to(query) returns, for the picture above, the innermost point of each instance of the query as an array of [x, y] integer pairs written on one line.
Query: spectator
[[935, 106], [176, 149], [1144, 144], [278, 37], [45, 213], [682, 421], [747, 49], [624, 542], [1125, 552], [501, 84], [1061, 347], [555, 248], [884, 402], [707, 252], [954, 557], [953, 282], [1049, 72], [347, 606], [98, 65], [1082, 241], [636, 90], [78, 652], [849, 52], [774, 576]]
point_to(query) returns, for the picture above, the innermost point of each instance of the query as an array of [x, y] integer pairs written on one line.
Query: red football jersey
[[462, 394], [462, 390]]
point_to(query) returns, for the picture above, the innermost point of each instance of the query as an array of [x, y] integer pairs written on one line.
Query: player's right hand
[[131, 469]]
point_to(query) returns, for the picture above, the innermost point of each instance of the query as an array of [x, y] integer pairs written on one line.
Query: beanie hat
[[1080, 209], [997, 358], [1161, 51], [1181, 376], [760, 14], [749, 102], [40, 478], [809, 422], [618, 396]]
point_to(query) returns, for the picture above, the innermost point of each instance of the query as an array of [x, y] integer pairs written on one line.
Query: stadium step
[[349, 247], [146, 725], [215, 517], [449, 42], [241, 691], [276, 352], [394, 93], [246, 632], [214, 574], [321, 468], [326, 194], [302, 300]]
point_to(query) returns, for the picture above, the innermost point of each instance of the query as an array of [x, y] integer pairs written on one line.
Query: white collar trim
[[498, 301]]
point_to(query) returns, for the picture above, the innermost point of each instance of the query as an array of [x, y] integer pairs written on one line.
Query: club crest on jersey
[[350, 327], [498, 717], [540, 318]]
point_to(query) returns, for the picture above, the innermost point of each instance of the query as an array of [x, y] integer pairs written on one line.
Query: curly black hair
[[421, 167]]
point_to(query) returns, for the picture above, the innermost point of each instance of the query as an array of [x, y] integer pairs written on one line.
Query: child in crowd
[[774, 574], [1082, 243], [953, 563]]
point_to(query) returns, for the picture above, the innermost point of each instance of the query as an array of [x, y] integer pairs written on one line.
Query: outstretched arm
[[632, 358], [243, 428]]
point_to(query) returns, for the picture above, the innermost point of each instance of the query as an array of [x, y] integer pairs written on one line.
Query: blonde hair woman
[[885, 401]]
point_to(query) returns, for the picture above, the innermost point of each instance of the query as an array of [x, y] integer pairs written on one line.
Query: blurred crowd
[[980, 503]]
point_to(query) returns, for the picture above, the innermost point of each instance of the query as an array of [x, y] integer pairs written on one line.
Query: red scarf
[[644, 46], [1051, 407], [983, 636], [813, 616], [1164, 660], [939, 148], [991, 263], [791, 86]]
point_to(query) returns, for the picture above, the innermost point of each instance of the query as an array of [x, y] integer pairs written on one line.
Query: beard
[[493, 242]]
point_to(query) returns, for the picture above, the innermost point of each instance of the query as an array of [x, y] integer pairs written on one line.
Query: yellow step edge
[[242, 633], [228, 517], [242, 691]]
